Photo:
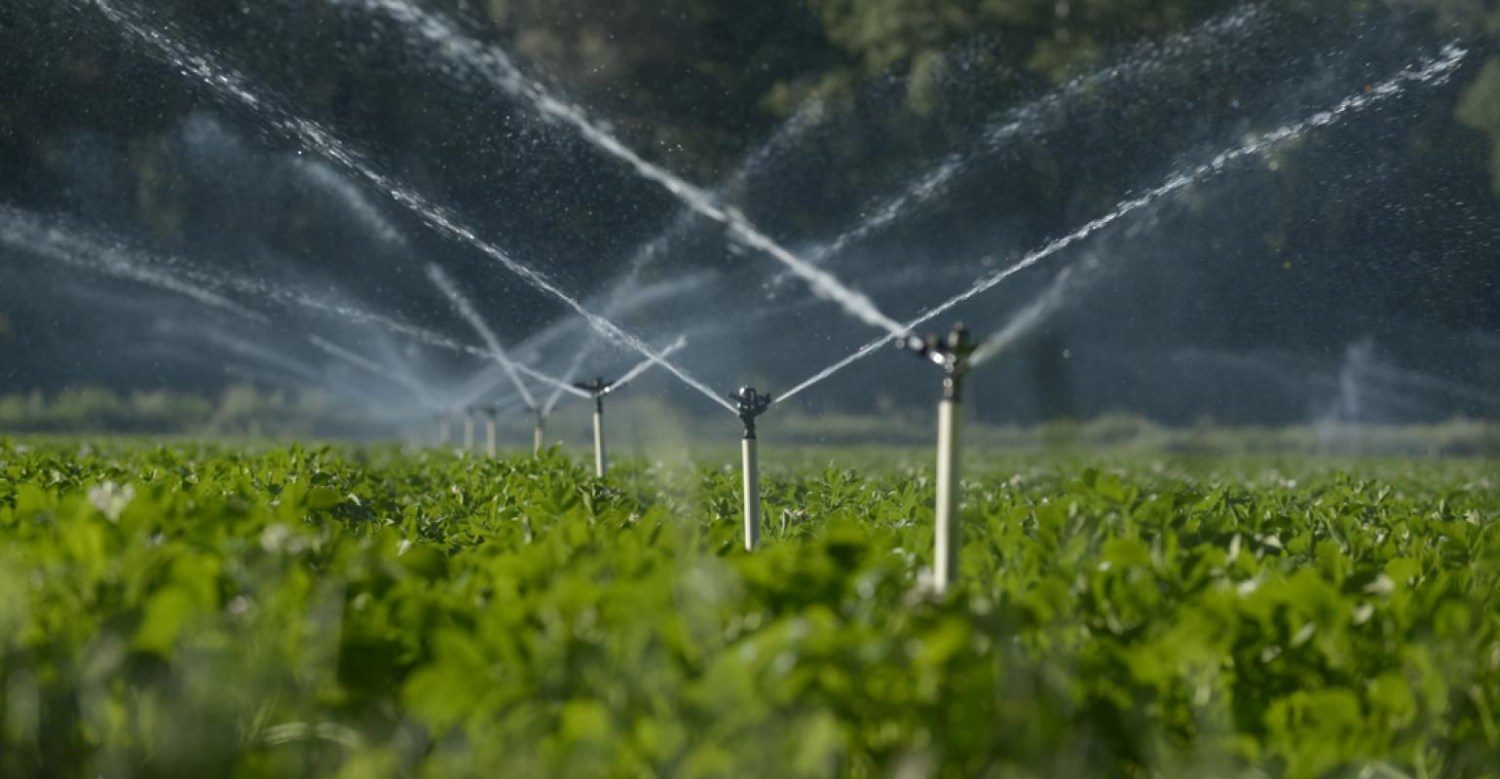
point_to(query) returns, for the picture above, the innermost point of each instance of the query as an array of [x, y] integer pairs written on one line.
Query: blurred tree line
[[695, 82], [730, 66], [239, 410]]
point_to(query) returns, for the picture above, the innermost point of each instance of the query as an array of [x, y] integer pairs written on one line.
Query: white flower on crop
[[280, 538], [111, 499]]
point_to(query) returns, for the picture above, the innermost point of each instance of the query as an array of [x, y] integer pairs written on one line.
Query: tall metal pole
[[491, 443], [952, 355], [751, 405], [538, 433], [469, 430]]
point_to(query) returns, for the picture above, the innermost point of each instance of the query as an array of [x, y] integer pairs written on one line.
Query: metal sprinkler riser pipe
[[751, 405], [491, 442], [951, 354], [598, 388]]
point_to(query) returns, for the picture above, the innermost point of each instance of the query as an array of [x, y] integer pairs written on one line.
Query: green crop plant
[[196, 611]]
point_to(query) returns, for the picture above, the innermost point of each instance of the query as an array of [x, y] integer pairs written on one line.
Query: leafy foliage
[[178, 611]]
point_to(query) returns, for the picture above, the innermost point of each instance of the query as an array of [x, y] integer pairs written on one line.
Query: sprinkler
[[597, 389], [490, 438], [751, 405], [444, 430], [539, 430], [951, 354], [469, 415]]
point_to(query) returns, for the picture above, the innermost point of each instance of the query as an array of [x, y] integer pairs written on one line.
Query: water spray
[[751, 405], [198, 64], [597, 389], [952, 355], [1431, 70], [495, 65]]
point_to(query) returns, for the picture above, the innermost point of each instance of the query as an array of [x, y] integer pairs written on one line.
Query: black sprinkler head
[[751, 405], [598, 387], [950, 353]]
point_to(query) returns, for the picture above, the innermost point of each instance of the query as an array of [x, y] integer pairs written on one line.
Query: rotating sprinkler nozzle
[[750, 405], [597, 389], [951, 354]]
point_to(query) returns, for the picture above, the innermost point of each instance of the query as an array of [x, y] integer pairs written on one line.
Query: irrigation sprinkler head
[[950, 353], [597, 389], [751, 405]]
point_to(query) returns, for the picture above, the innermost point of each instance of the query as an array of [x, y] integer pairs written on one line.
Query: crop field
[[196, 611]]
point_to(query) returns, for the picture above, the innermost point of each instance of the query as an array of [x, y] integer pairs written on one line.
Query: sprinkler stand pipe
[[751, 405], [600, 464], [952, 355], [491, 443], [469, 430], [598, 388], [946, 529], [538, 432], [443, 431], [750, 467]]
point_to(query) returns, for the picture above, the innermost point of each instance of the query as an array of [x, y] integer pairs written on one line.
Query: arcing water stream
[[1430, 71], [373, 368], [466, 310], [59, 240], [790, 131], [645, 365], [314, 138], [495, 65], [1027, 120], [1030, 317], [71, 247]]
